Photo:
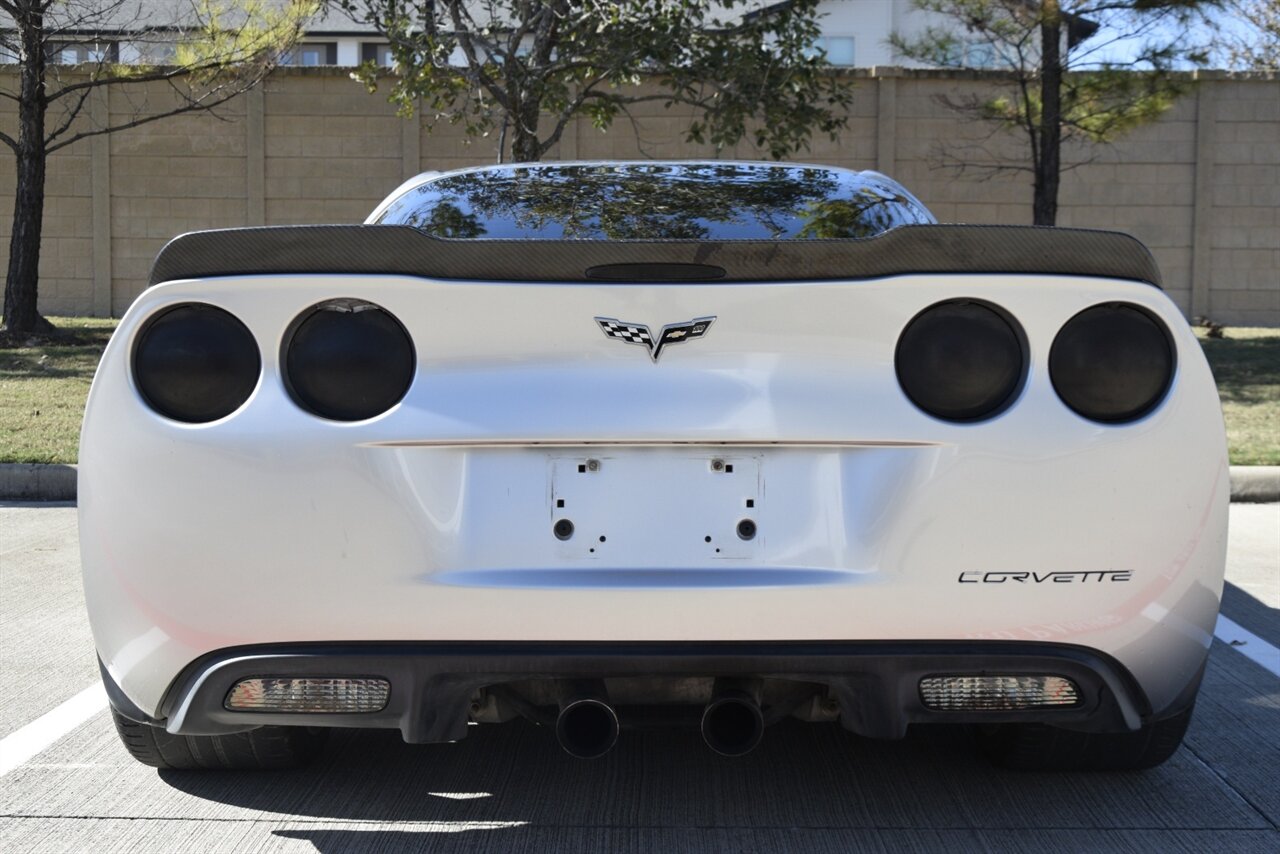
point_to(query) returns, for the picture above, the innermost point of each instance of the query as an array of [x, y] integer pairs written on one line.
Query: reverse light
[[997, 693], [309, 695]]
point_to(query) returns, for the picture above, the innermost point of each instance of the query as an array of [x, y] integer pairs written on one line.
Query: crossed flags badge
[[638, 333]]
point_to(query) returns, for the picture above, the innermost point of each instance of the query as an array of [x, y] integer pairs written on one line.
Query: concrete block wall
[[1243, 211], [1201, 186]]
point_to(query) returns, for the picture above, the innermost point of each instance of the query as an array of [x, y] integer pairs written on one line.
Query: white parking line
[[1247, 644], [17, 747]]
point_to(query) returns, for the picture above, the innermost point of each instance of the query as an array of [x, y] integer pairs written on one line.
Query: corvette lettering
[[1059, 577]]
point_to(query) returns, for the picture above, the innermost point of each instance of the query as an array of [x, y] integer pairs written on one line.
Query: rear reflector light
[[309, 695], [997, 693]]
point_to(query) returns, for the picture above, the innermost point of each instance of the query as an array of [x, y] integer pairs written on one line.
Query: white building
[[855, 33]]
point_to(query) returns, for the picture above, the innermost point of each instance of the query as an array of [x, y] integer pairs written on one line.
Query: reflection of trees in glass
[[866, 214], [685, 201], [447, 220]]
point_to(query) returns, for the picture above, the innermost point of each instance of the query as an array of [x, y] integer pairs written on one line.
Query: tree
[[527, 68], [1254, 44], [215, 50], [1079, 71]]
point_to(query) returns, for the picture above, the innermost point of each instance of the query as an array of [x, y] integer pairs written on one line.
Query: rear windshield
[[656, 201]]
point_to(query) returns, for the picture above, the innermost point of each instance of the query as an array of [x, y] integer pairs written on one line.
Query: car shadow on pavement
[[1251, 612], [513, 785]]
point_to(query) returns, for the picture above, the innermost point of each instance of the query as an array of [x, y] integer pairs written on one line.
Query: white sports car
[[602, 444]]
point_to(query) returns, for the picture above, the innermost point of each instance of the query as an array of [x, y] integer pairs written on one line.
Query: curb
[[38, 482], [1255, 484]]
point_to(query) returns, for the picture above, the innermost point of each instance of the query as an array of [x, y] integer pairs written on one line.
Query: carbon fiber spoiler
[[403, 250]]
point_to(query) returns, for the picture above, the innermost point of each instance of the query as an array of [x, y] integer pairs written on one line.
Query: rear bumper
[[433, 684]]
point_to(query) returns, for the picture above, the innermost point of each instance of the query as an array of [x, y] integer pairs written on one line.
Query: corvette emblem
[[638, 333]]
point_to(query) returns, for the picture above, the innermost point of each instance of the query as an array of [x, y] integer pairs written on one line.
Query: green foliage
[[1098, 106], [525, 68], [230, 33]]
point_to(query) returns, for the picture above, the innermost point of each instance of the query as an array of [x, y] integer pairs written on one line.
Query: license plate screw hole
[[563, 529], [717, 465], [746, 529], [593, 465]]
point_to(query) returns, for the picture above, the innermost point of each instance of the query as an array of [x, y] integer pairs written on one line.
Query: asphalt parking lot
[[808, 788]]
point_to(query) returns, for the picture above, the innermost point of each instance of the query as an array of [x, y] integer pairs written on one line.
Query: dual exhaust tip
[[732, 723], [587, 725]]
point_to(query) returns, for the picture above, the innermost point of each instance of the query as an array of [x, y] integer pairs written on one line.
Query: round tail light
[[962, 360], [1112, 363], [195, 363], [348, 360]]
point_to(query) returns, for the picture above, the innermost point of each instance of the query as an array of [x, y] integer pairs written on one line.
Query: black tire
[[261, 749], [1040, 747]]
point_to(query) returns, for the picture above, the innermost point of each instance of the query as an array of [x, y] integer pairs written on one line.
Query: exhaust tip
[[732, 724], [587, 728]]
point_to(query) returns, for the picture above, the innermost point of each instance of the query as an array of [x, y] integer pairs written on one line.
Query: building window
[[65, 53], [839, 49], [311, 53], [378, 53], [149, 51]]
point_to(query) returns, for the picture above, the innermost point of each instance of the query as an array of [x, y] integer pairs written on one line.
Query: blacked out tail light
[[195, 363], [962, 360], [348, 360], [1112, 363], [309, 695], [997, 693]]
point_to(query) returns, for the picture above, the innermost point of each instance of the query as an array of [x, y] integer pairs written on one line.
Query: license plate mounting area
[[656, 507]]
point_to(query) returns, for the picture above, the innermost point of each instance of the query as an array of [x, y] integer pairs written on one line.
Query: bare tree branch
[[212, 62], [70, 115], [206, 103]]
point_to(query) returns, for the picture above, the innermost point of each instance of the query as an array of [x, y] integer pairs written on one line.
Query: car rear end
[[935, 496]]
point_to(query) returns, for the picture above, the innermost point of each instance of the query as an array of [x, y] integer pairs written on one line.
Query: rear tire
[[261, 749], [1040, 747]]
